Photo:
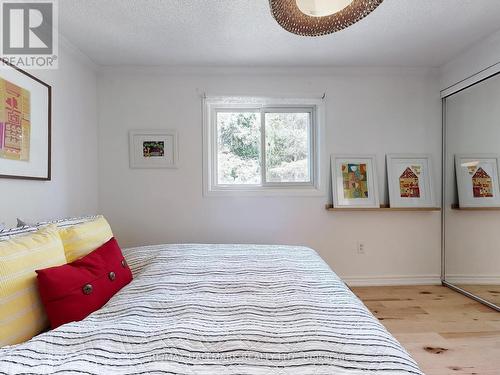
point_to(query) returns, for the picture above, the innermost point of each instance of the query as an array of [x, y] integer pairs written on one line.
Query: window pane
[[287, 147], [238, 148]]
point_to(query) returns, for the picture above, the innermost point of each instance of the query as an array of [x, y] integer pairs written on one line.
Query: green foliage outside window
[[239, 147]]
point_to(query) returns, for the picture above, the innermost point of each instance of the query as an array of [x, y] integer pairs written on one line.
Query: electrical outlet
[[361, 247]]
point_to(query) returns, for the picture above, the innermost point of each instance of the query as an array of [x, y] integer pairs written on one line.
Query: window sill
[[265, 192]]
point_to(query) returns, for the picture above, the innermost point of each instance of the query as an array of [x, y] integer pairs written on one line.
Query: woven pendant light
[[288, 14]]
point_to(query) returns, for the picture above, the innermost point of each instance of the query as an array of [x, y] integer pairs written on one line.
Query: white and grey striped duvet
[[220, 309]]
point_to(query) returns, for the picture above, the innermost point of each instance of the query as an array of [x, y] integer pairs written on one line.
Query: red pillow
[[73, 291]]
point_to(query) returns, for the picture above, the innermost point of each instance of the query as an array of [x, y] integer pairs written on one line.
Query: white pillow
[[9, 233], [23, 227], [22, 223], [61, 223]]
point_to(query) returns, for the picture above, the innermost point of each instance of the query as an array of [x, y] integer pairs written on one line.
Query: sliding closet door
[[472, 195]]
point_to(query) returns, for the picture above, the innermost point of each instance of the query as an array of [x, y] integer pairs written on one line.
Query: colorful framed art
[[153, 149], [354, 181], [410, 179], [478, 180], [25, 129]]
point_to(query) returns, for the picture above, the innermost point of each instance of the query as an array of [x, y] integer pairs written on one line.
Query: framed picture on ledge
[[153, 149], [354, 181], [410, 180], [478, 180], [25, 116]]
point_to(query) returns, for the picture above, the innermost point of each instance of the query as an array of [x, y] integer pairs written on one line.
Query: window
[[261, 145]]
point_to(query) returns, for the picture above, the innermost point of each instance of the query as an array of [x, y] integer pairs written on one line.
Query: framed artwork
[[477, 180], [25, 129], [354, 181], [153, 149], [410, 180]]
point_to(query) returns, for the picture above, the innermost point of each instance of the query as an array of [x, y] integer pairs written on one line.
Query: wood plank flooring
[[490, 292], [445, 332]]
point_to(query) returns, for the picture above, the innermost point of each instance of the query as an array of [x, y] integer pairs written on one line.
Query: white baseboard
[[473, 279], [392, 280]]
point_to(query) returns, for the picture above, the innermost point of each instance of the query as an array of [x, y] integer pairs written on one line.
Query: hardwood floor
[[490, 292], [445, 332]]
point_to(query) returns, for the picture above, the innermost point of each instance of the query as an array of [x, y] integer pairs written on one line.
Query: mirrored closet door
[[471, 191]]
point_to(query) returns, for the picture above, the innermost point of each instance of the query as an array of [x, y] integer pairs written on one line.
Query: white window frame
[[262, 105]]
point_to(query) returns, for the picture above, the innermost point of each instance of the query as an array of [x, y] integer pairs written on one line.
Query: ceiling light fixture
[[320, 17]]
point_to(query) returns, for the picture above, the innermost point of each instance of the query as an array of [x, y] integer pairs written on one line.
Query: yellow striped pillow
[[81, 239], [21, 312]]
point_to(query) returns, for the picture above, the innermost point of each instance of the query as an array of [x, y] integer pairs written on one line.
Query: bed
[[220, 309]]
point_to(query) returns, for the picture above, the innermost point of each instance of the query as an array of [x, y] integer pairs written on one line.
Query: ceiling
[[243, 33]]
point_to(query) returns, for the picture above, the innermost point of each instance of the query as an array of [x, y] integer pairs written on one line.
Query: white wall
[[368, 111], [73, 189], [471, 61]]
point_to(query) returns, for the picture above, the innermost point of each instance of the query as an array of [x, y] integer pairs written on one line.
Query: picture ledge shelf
[[457, 207], [383, 207]]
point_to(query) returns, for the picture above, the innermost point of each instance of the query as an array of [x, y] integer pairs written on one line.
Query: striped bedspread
[[220, 309]]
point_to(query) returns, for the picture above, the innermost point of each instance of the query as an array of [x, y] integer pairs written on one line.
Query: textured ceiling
[[243, 32]]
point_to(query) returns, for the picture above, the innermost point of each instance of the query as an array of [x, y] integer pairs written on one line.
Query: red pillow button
[[87, 289]]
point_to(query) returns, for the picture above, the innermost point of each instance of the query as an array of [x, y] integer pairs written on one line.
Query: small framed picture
[[153, 149], [477, 180], [410, 180], [354, 181]]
